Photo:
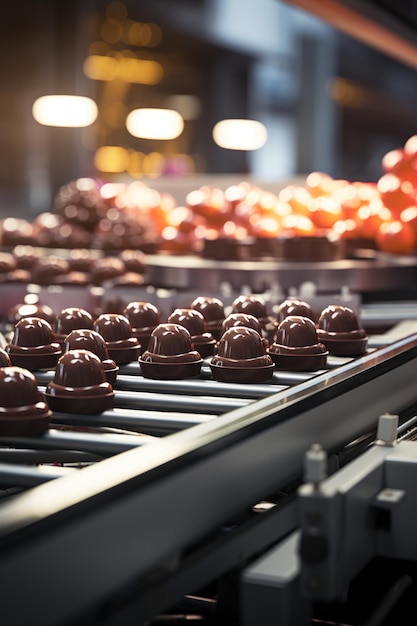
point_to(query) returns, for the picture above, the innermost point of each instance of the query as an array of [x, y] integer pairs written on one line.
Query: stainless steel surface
[[378, 272]]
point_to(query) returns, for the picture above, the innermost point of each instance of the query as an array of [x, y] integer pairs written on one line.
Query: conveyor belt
[[159, 490]]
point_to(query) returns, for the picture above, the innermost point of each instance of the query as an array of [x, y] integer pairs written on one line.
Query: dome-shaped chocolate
[[79, 384], [253, 305], [195, 323], [23, 410], [212, 310], [338, 328], [86, 339], [170, 354], [245, 319], [116, 329], [296, 345], [143, 317], [293, 306], [143, 314], [242, 319], [32, 345], [241, 357], [19, 311], [70, 319]]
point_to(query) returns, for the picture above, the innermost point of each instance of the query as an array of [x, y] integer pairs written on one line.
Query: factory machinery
[[228, 503]]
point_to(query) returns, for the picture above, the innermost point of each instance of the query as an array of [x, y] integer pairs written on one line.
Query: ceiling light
[[240, 134], [69, 111], [155, 123]]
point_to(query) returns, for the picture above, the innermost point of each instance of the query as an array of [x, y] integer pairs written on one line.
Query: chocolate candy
[[212, 310], [338, 328], [241, 358], [79, 384], [70, 319], [293, 306], [170, 354], [244, 319], [296, 345], [33, 346], [194, 322], [116, 329], [23, 410], [253, 305], [86, 339], [143, 317]]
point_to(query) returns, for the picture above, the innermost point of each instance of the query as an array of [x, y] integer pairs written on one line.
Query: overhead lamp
[[240, 134], [68, 111], [155, 123]]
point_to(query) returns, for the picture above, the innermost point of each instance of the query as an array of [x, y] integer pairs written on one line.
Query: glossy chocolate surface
[[79, 384], [339, 329], [116, 329], [241, 357], [296, 345], [4, 358], [143, 317], [70, 319], [338, 319], [23, 410], [293, 306], [86, 339], [296, 331], [212, 310], [252, 305], [170, 354], [240, 345], [191, 319], [19, 311], [195, 323], [33, 345], [242, 319]]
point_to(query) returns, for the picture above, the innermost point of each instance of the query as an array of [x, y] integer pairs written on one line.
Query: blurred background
[[327, 101]]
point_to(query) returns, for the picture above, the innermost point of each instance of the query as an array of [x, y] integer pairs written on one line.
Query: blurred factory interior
[[327, 101]]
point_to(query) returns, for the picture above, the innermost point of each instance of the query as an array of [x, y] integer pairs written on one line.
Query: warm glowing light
[[128, 69], [70, 111], [135, 165], [155, 123], [111, 159], [237, 134], [140, 71], [100, 67]]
